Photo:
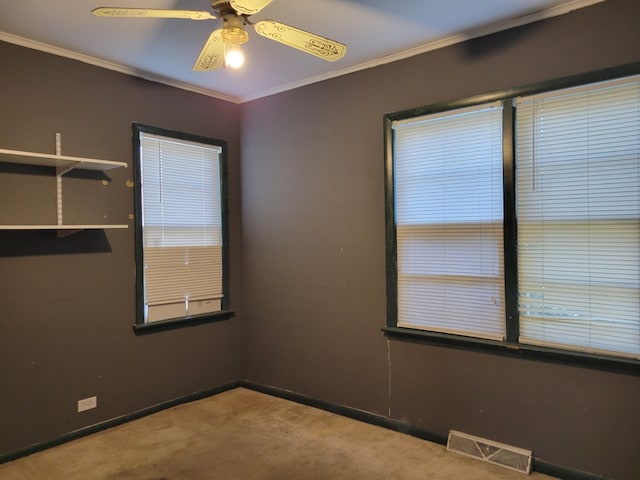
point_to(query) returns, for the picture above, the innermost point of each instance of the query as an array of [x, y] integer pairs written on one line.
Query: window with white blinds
[[519, 221], [181, 227], [447, 171], [578, 210]]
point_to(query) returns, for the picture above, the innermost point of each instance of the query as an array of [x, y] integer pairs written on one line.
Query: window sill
[[174, 323], [528, 352]]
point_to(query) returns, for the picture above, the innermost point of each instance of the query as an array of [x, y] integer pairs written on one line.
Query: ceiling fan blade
[[311, 43], [212, 54], [151, 13], [249, 7]]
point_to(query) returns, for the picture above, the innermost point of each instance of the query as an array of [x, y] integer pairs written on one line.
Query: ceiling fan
[[223, 46]]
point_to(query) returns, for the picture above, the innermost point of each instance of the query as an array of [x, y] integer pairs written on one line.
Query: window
[[181, 250], [519, 225], [448, 207], [578, 191]]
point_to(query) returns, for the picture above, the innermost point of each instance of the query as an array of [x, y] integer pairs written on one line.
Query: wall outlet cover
[[87, 404]]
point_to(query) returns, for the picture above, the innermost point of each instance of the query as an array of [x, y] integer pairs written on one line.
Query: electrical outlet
[[87, 404]]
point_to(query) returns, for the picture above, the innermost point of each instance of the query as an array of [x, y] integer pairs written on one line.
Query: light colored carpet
[[245, 435]]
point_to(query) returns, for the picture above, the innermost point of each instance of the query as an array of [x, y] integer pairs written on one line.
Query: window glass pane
[[182, 227], [578, 205], [448, 206]]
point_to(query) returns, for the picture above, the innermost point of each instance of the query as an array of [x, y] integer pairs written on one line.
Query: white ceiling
[[375, 32]]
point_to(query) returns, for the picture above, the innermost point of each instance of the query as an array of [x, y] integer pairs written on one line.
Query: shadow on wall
[[21, 243], [479, 47], [26, 169]]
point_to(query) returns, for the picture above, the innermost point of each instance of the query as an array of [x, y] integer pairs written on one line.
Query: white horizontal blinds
[[448, 201], [578, 204], [182, 227]]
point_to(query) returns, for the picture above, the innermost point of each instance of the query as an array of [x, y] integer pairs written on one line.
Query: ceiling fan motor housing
[[233, 30], [222, 7]]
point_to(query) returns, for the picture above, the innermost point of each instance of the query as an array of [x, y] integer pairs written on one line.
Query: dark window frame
[[510, 346], [140, 327]]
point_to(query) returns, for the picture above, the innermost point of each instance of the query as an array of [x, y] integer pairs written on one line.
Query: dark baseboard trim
[[558, 471], [539, 465], [98, 427], [368, 417], [350, 412]]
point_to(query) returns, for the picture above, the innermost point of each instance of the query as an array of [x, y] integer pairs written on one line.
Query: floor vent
[[493, 452]]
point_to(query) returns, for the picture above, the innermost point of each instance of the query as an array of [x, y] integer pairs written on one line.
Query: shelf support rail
[[59, 174], [60, 171]]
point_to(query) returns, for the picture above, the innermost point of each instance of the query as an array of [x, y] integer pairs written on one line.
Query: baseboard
[[350, 412], [98, 427], [558, 471], [538, 464]]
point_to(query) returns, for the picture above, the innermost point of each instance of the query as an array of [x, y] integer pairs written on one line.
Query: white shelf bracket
[[60, 171], [67, 231], [67, 168]]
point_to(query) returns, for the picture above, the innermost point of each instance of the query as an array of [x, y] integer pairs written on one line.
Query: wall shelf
[[63, 164], [59, 161]]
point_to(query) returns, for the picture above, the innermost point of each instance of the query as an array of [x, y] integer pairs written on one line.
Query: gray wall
[[313, 254], [67, 305], [307, 254]]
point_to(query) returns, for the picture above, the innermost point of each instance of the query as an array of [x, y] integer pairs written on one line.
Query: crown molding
[[434, 45], [427, 47], [61, 52]]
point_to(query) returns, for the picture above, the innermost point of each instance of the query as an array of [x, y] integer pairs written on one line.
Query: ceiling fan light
[[235, 35], [234, 57]]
